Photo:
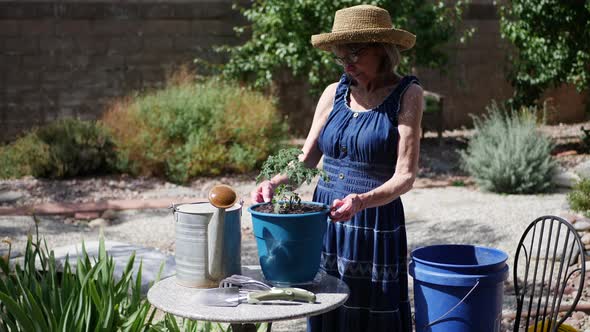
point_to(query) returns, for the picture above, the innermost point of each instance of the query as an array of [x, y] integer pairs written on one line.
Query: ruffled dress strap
[[339, 108], [341, 90], [392, 104]]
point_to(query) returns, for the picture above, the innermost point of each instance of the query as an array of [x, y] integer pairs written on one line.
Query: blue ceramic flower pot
[[289, 245]]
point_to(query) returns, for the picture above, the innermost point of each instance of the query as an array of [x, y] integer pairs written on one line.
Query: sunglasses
[[350, 58]]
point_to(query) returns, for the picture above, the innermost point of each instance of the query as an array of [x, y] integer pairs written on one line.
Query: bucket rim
[[427, 262], [290, 216], [175, 208]]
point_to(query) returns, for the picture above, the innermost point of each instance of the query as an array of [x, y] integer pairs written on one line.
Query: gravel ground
[[436, 212], [434, 215]]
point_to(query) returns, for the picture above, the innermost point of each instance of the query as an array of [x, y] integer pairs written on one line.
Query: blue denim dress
[[368, 252]]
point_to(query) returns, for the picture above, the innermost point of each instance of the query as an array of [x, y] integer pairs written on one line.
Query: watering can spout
[[222, 197]]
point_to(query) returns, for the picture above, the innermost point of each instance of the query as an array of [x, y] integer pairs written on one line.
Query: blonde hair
[[390, 61]]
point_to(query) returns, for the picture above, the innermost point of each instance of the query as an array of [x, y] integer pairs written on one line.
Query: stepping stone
[[565, 179], [13, 253], [10, 196], [582, 225], [152, 259], [583, 170], [86, 215]]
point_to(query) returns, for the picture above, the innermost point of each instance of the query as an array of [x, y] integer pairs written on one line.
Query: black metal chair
[[549, 255]]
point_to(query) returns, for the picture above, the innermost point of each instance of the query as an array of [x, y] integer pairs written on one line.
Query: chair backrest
[[550, 256]]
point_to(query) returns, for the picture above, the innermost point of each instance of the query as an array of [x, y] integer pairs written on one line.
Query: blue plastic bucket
[[289, 245], [458, 288]]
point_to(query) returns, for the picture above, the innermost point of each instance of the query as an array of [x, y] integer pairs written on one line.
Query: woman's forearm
[[398, 185]]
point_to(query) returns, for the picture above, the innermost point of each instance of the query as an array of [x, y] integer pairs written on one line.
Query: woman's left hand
[[344, 209]]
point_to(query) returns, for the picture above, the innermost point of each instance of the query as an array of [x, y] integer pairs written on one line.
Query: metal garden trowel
[[231, 296]]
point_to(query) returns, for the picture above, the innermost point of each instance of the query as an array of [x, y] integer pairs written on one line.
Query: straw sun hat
[[363, 24]]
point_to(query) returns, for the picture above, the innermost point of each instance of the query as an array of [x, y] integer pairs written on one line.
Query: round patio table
[[173, 298]]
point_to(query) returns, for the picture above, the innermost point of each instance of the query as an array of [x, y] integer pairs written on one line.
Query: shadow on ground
[[441, 157], [446, 232]]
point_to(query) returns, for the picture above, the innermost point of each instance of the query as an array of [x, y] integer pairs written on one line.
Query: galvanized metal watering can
[[208, 239]]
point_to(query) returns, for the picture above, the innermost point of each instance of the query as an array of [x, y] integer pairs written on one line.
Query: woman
[[367, 127]]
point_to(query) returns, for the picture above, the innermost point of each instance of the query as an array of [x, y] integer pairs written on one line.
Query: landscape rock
[[150, 259], [99, 222], [565, 179], [13, 253], [582, 225], [109, 215], [10, 196], [579, 315], [567, 153], [86, 215], [582, 170], [570, 217]]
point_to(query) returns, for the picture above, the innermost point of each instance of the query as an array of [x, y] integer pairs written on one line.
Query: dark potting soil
[[298, 209]]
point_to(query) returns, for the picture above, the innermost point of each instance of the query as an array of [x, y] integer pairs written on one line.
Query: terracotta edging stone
[[73, 208]]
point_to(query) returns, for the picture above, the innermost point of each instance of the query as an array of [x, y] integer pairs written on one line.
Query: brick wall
[[71, 58], [61, 59]]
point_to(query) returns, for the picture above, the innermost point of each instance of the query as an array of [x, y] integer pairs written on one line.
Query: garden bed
[[439, 167]]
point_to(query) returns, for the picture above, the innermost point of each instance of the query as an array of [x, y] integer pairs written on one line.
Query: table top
[[173, 298]]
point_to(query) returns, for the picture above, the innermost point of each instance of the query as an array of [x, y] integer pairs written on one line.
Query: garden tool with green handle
[[231, 296]]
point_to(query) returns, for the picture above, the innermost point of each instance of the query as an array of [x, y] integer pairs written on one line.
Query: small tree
[[286, 162], [551, 40], [281, 32]]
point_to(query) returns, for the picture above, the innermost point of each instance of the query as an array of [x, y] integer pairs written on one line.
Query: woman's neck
[[368, 96], [379, 82]]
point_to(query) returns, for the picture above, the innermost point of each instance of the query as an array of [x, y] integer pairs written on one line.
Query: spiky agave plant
[[40, 296]]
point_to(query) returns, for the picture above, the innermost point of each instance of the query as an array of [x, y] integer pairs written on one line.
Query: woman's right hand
[[263, 192]]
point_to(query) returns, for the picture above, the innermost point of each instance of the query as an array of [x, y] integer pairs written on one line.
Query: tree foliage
[[281, 33], [551, 39]]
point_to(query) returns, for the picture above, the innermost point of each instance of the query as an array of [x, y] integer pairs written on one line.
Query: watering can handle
[[172, 207], [453, 308]]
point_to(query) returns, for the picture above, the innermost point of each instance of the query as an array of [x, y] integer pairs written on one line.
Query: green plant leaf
[[35, 311], [280, 39], [286, 162], [7, 322], [22, 318]]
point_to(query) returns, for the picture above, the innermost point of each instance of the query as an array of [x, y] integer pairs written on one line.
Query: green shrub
[[35, 296], [77, 148], [508, 154], [579, 197], [431, 104], [192, 129], [64, 148], [28, 155]]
